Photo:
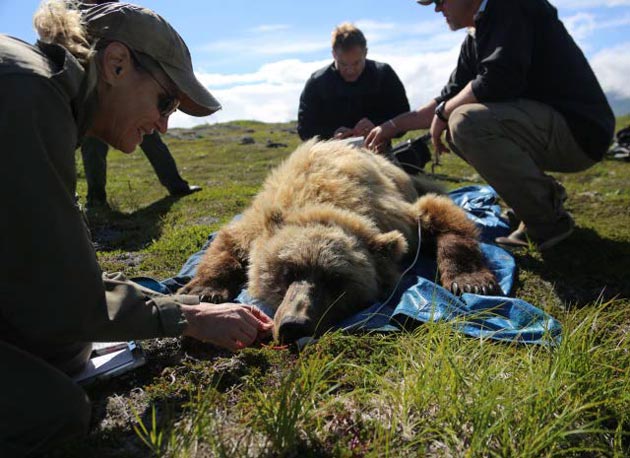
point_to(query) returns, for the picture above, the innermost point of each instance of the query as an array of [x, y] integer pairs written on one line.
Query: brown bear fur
[[327, 234]]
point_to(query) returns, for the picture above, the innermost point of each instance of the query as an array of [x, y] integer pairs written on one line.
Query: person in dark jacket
[[353, 94], [116, 72], [522, 101]]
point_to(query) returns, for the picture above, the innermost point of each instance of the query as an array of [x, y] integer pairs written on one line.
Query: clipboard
[[111, 359]]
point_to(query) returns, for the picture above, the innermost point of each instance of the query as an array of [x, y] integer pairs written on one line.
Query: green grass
[[428, 391]]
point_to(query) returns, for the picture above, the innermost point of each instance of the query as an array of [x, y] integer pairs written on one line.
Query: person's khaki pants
[[511, 145], [40, 406]]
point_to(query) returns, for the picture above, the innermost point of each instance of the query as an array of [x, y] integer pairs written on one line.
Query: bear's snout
[[293, 328], [294, 316]]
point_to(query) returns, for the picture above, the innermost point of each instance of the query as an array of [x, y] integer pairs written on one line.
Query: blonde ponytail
[[59, 22]]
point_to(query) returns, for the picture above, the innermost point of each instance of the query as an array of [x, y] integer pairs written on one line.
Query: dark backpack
[[412, 154]]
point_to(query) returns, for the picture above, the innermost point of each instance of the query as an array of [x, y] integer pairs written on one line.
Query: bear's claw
[[483, 282], [206, 293], [213, 297]]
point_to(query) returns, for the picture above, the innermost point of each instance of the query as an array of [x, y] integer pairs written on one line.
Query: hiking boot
[[97, 205], [619, 152], [520, 238], [517, 238], [563, 230], [185, 191], [510, 216], [562, 192]]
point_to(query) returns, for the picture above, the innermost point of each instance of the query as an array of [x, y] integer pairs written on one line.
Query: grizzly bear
[[328, 234]]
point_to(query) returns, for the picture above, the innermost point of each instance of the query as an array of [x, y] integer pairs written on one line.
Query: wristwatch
[[439, 111]]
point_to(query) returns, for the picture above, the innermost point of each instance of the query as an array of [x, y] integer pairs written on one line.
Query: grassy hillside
[[425, 392]]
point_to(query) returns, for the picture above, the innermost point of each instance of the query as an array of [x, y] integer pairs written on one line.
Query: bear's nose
[[293, 328]]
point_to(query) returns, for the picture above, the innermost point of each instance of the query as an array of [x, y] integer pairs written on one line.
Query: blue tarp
[[417, 298]]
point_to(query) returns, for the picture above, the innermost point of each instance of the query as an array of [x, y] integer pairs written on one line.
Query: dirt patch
[[129, 259]]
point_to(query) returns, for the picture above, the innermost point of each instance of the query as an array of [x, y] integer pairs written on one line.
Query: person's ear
[[116, 63]]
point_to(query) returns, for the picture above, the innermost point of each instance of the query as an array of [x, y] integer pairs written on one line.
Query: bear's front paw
[[206, 293], [480, 282]]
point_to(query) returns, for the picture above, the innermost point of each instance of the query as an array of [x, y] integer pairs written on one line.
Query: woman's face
[[128, 100]]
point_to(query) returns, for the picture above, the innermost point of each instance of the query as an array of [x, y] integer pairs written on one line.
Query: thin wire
[[413, 263]]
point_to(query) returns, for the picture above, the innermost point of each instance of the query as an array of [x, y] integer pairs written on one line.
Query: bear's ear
[[389, 245]]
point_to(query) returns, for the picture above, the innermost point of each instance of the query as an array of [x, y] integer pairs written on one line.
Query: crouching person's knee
[[469, 127], [41, 408], [46, 424]]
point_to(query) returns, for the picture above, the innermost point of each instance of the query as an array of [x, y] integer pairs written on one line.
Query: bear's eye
[[336, 278], [290, 274], [330, 278]]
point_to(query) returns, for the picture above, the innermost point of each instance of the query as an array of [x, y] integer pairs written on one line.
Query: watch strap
[[439, 111]]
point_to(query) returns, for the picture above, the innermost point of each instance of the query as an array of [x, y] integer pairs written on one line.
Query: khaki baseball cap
[[146, 32]]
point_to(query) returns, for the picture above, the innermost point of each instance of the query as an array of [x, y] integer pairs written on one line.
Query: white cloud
[[281, 72], [577, 4], [612, 67], [267, 28], [370, 25], [271, 94], [432, 32], [258, 42], [582, 25], [425, 74], [272, 45], [263, 102]]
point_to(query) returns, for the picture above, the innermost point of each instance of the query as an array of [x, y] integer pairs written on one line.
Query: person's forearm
[[414, 120], [464, 97], [134, 312], [421, 118]]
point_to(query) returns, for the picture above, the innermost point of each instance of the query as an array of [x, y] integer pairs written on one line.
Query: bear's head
[[317, 274]]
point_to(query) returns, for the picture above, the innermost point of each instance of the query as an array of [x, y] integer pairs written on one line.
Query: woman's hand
[[231, 326]]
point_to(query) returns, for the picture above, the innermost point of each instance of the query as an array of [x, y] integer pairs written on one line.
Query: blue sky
[[255, 56]]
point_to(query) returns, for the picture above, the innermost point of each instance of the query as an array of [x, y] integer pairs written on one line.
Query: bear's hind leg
[[461, 264]]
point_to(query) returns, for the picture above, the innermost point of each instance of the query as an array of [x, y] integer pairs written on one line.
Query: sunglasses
[[437, 2], [168, 102]]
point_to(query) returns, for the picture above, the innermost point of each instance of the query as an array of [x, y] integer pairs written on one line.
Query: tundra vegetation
[[426, 391]]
